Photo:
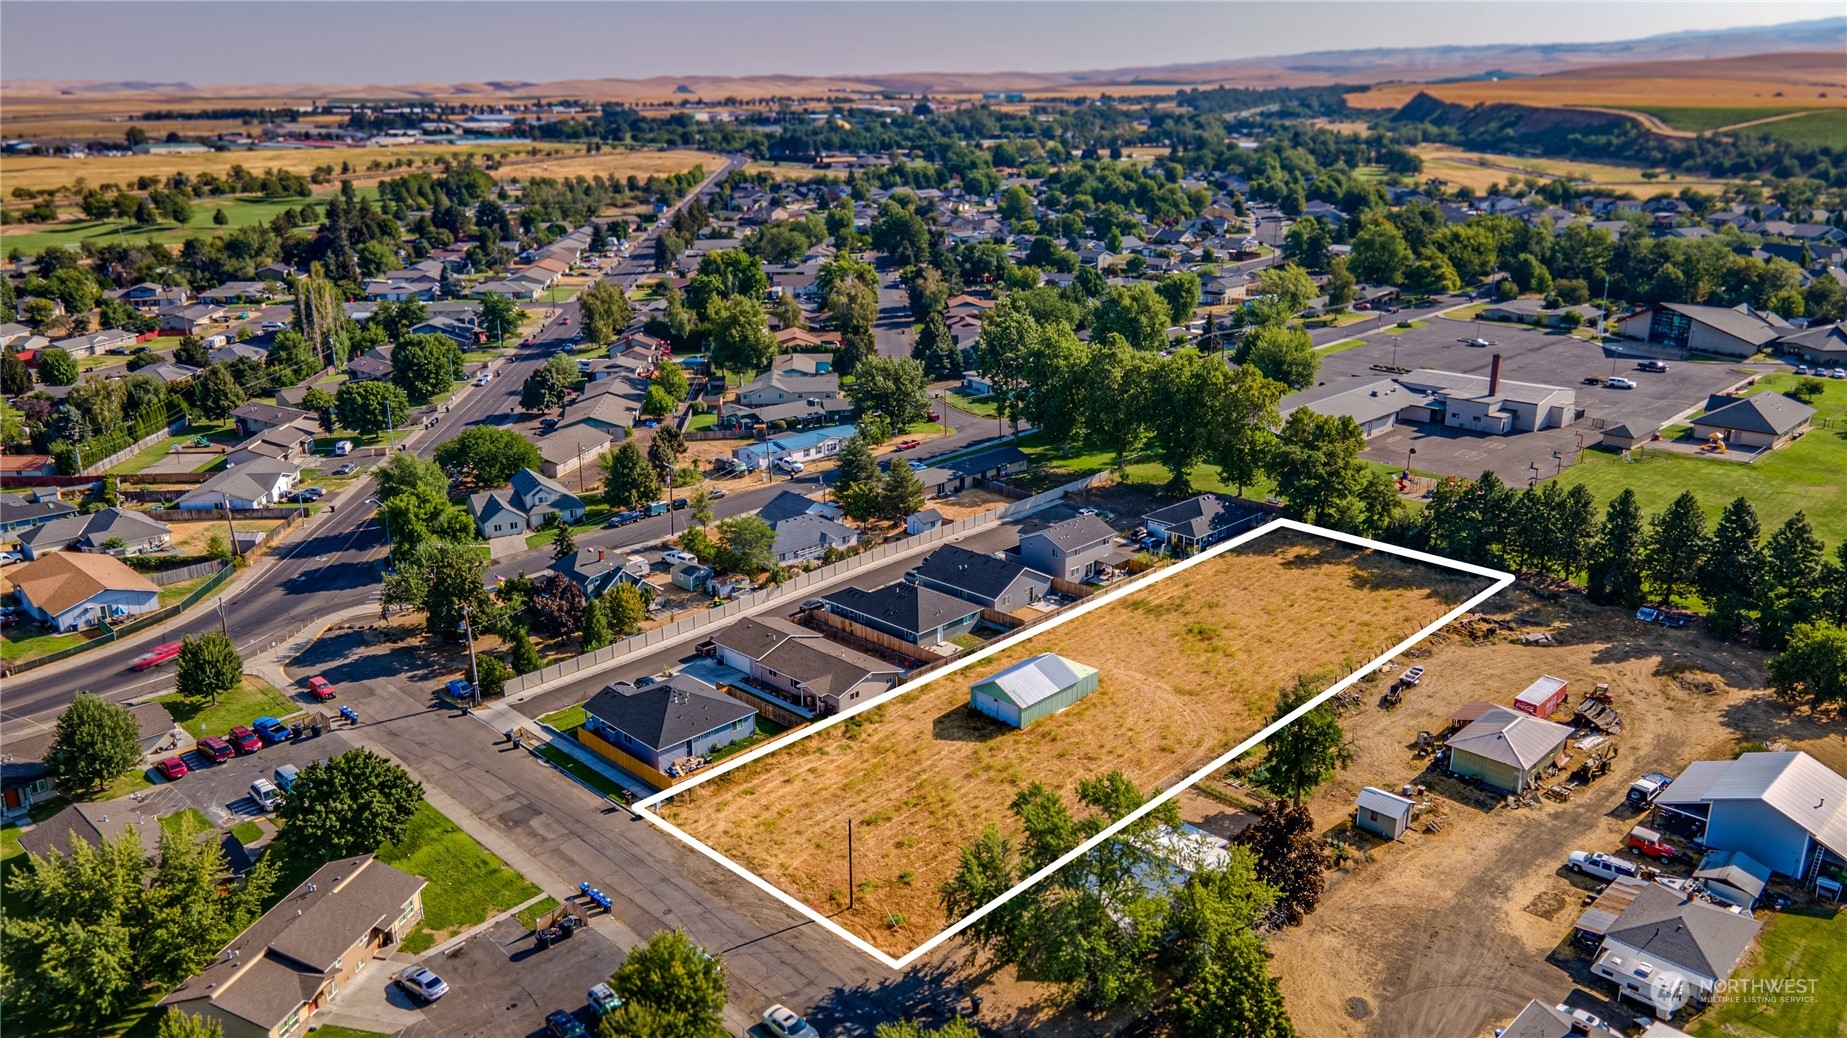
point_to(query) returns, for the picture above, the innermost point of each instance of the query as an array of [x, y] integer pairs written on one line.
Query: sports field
[[1191, 664]]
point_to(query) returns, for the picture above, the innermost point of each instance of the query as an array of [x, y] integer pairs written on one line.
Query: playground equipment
[[1715, 442]]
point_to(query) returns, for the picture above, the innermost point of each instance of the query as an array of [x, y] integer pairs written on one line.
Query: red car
[[165, 653], [171, 769], [934, 416], [245, 740], [905, 445], [321, 688], [216, 750]]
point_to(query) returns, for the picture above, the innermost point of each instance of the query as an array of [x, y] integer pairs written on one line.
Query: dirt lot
[[1190, 664], [1451, 933], [191, 538]]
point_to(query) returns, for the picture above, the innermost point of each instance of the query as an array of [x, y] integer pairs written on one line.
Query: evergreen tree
[[523, 655], [595, 634], [854, 466], [1728, 577], [566, 544], [1794, 586], [900, 493], [1615, 570], [1674, 548], [936, 348], [628, 479]]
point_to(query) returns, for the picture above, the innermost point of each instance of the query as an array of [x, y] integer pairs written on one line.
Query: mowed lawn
[[1809, 475], [467, 883], [1805, 945], [1191, 665], [253, 699]]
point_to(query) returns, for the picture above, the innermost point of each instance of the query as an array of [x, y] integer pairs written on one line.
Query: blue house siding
[[1762, 832], [660, 758]]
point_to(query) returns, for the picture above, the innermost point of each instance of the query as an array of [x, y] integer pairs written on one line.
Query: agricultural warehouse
[[1032, 689], [1787, 810], [1506, 750], [661, 723]]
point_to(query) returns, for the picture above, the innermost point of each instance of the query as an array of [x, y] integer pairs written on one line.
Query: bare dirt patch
[[192, 538], [1191, 665], [1452, 932]]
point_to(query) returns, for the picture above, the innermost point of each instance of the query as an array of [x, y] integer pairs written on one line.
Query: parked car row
[[1821, 371]]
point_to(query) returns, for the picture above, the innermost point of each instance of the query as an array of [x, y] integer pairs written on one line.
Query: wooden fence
[[768, 707], [897, 646], [608, 751]]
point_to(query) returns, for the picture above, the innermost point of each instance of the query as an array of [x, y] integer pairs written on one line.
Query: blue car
[[559, 1023], [270, 729]]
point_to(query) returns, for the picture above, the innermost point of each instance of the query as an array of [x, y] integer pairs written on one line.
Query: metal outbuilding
[[1386, 814], [1032, 689], [1541, 697]]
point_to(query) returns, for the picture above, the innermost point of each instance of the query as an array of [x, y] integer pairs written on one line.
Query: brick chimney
[[1494, 375]]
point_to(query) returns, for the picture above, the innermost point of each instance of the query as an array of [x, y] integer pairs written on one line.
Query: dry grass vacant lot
[[1452, 932], [1191, 666]]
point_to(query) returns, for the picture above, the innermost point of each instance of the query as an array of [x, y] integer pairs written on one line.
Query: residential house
[[32, 508], [805, 538], [1506, 750], [801, 666], [788, 504], [907, 612], [231, 351], [1785, 809], [988, 466], [110, 531], [995, 581], [1761, 421], [71, 591], [790, 378], [570, 448], [253, 417], [1667, 950], [147, 296], [236, 292], [26, 781], [803, 413], [516, 286], [190, 320], [1539, 1020], [665, 722], [1727, 332], [1070, 550], [257, 483], [272, 978], [168, 372], [813, 445], [612, 411], [523, 506], [97, 343], [596, 571], [1200, 521], [461, 330]]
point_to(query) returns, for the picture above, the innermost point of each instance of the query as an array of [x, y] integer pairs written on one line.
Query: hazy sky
[[276, 41]]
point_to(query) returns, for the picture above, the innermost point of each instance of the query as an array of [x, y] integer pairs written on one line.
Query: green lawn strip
[[1339, 346], [584, 773], [1809, 475], [530, 915], [595, 513], [200, 824], [148, 455], [1467, 313], [173, 593], [1400, 329], [22, 643], [247, 833], [926, 429], [1802, 944], [702, 421], [766, 729], [977, 405], [238, 212], [565, 720], [467, 884], [255, 698]]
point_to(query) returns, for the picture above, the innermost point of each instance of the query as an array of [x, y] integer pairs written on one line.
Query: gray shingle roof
[[1772, 414], [1076, 532], [904, 606], [984, 576], [1691, 934], [667, 713]]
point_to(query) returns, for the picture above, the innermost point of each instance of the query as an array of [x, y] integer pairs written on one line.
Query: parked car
[[286, 777], [343, 448], [271, 729], [1643, 792], [625, 518], [559, 1023], [604, 1000], [321, 689], [1619, 383], [166, 652], [678, 557], [905, 445], [933, 416], [783, 1023], [1838, 373], [347, 469], [172, 769], [7, 558], [790, 465], [216, 750], [245, 740], [422, 985], [1643, 840], [1804, 369], [272, 326], [1651, 365], [1603, 866], [265, 793]]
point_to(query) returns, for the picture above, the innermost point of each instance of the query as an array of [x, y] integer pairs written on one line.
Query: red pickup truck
[[164, 653]]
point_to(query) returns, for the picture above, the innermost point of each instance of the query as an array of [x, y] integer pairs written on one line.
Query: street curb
[[472, 931]]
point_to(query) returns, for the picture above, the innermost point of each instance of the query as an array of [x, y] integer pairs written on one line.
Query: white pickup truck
[[1603, 866]]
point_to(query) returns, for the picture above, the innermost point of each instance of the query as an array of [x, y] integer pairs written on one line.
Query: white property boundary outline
[[1499, 581]]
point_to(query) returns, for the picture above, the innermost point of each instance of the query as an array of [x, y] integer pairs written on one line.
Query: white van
[[343, 448]]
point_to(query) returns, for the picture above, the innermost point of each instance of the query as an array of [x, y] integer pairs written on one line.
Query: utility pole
[[231, 527], [474, 669]]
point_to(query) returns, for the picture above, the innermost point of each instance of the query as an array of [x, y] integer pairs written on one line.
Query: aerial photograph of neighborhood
[[923, 519]]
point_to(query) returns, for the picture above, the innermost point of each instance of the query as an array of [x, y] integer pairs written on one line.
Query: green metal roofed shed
[[1032, 689]]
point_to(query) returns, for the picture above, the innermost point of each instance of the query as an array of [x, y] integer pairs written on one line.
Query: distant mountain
[[1447, 63]]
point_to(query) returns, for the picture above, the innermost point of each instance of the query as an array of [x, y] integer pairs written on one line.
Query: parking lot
[[1527, 355], [502, 983], [222, 791]]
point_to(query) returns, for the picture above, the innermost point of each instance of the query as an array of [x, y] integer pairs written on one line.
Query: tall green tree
[[94, 743], [56, 367], [1615, 571], [1306, 752], [1136, 312], [854, 466], [595, 632], [1316, 465], [893, 386], [1812, 668], [487, 455], [605, 310], [1284, 354], [499, 316], [900, 493], [369, 408], [1056, 367], [628, 479], [747, 544], [71, 953], [724, 274], [1674, 548], [209, 666], [669, 986], [1794, 580], [738, 335], [1180, 291], [215, 392], [936, 348], [350, 804], [1729, 575], [1118, 383], [424, 366], [405, 472], [626, 608], [442, 579]]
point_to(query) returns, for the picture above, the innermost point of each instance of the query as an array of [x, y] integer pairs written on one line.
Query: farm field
[[1480, 169], [1451, 932], [1819, 128], [1808, 475], [33, 239], [1700, 120], [1742, 82], [1191, 664]]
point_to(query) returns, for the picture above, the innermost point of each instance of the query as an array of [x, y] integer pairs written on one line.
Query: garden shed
[[1541, 697], [1383, 813], [1032, 689]]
